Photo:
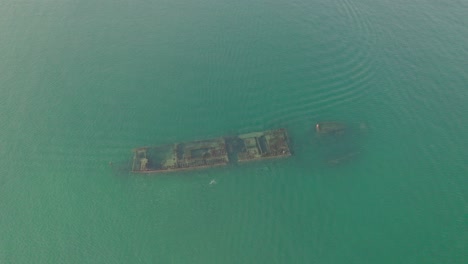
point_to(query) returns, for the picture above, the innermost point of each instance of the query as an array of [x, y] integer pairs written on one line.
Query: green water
[[83, 82]]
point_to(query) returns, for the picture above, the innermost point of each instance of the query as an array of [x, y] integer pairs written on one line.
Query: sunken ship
[[212, 152]]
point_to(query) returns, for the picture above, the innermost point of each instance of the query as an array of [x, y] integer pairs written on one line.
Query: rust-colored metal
[[263, 145], [212, 152]]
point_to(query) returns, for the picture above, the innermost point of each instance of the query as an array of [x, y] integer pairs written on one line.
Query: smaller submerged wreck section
[[330, 128], [339, 142], [212, 152]]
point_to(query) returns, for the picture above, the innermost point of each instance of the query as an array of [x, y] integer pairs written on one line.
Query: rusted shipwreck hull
[[212, 152]]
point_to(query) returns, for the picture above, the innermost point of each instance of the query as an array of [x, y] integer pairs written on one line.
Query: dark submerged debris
[[339, 142]]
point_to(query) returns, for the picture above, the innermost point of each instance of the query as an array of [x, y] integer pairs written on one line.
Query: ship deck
[[180, 156], [212, 152], [264, 145]]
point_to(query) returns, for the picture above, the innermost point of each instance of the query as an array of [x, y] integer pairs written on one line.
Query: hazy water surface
[[83, 82]]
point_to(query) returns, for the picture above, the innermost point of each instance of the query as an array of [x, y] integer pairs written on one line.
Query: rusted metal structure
[[212, 152], [263, 145]]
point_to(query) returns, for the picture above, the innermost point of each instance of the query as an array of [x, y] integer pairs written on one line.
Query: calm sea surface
[[83, 82]]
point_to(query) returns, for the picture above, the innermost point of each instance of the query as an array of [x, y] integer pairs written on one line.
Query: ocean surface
[[83, 82]]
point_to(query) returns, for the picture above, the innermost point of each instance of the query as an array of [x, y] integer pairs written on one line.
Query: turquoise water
[[84, 82]]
